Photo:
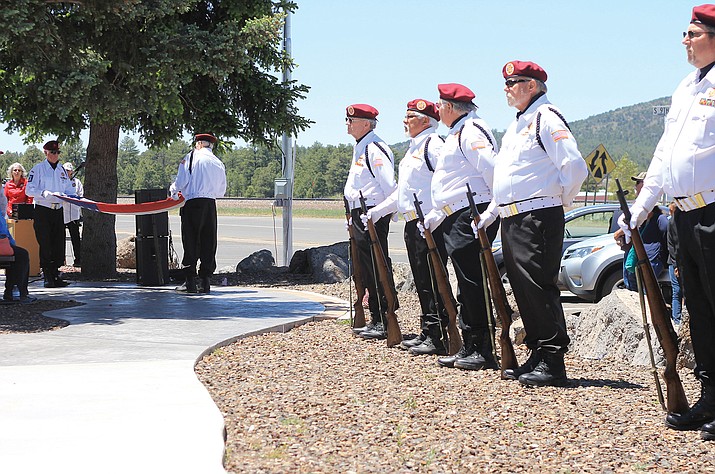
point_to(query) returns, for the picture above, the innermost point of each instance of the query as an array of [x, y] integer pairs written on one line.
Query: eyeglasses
[[53, 152], [349, 119], [407, 117], [695, 34], [512, 82], [16, 171]]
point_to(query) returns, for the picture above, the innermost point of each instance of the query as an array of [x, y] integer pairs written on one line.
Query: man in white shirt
[[200, 180], [538, 171], [371, 172], [46, 179], [72, 216], [416, 170], [683, 166], [467, 157]]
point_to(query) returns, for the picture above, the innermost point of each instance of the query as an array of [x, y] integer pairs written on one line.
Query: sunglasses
[[513, 82], [407, 117], [352, 119], [54, 152], [695, 34]]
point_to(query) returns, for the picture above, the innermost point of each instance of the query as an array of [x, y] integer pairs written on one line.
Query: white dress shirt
[[207, 178], [44, 179], [374, 188]]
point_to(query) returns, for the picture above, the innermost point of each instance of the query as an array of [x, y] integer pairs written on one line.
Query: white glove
[[421, 228], [433, 219], [348, 223], [47, 194], [175, 195], [376, 213], [638, 216], [624, 227], [486, 219], [364, 218]]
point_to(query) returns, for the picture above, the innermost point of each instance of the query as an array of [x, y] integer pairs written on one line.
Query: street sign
[[599, 162]]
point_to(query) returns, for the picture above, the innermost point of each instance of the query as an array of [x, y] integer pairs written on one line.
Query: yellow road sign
[[599, 162]]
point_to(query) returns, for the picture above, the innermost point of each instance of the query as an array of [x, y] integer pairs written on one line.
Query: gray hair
[[461, 106], [373, 123], [13, 166], [433, 123], [206, 144], [541, 86]]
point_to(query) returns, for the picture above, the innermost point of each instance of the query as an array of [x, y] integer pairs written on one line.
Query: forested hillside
[[630, 135]]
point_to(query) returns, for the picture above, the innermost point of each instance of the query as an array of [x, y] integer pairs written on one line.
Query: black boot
[[205, 285], [550, 371], [429, 346], [467, 348], [415, 341], [189, 285], [708, 431], [59, 282], [49, 278], [525, 368], [378, 332], [482, 357], [700, 414]]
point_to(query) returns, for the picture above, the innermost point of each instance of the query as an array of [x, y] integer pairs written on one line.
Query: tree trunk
[[99, 241]]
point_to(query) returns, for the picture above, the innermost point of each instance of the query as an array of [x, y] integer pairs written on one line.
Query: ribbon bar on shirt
[[509, 210], [690, 203]]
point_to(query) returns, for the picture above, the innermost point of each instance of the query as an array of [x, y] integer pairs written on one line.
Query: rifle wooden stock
[[677, 402], [501, 304], [394, 336], [443, 286], [359, 320]]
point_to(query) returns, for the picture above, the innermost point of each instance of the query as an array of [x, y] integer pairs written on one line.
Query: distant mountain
[[634, 129]]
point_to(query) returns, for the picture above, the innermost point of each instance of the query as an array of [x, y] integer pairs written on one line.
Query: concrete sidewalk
[[116, 390]]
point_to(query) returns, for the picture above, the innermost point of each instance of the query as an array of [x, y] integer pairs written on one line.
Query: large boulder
[[256, 262], [126, 253], [327, 264], [613, 329]]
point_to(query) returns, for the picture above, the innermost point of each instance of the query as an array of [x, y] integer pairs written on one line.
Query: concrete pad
[[116, 390]]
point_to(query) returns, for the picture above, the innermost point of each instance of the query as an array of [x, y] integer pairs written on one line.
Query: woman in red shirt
[[15, 187]]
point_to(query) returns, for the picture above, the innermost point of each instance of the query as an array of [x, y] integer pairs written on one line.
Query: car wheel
[[612, 282]]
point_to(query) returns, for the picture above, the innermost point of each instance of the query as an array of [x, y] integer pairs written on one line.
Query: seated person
[[19, 270]]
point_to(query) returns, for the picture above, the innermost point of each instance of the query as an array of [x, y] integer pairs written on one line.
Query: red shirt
[[15, 193]]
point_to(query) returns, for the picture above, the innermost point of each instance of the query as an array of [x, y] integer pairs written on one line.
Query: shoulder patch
[[559, 135], [478, 144], [29, 178]]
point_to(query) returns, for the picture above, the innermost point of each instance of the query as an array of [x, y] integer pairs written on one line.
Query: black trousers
[[532, 244], [434, 318], [463, 248], [376, 300], [49, 228], [695, 250], [18, 273], [199, 227], [73, 228]]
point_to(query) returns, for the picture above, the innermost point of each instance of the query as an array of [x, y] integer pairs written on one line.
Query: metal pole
[[288, 160]]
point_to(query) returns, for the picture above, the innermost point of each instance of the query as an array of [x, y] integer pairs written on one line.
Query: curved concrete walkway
[[116, 392]]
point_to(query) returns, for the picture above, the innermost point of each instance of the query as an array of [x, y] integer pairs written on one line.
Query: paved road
[[241, 236]]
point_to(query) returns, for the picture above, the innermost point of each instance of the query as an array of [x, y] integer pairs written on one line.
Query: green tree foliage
[[158, 67]]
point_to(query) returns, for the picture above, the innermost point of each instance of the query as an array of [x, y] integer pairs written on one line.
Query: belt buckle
[[448, 210], [699, 200], [513, 210]]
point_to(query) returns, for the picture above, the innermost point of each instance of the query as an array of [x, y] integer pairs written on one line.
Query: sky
[[599, 55]]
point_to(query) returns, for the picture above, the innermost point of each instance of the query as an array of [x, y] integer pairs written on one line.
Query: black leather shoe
[[415, 341], [50, 283], [525, 368], [450, 360], [429, 347], [204, 285], [549, 372], [184, 288], [700, 414], [377, 333], [60, 283], [708, 431]]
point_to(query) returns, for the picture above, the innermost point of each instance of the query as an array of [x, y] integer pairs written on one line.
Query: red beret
[[456, 92], [524, 68], [704, 14], [362, 111], [205, 137], [424, 107], [52, 145]]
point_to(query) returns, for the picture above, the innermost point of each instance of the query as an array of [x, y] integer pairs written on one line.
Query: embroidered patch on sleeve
[[360, 160], [559, 135], [479, 144], [29, 178], [378, 161]]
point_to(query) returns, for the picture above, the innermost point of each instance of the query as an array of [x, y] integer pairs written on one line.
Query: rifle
[[504, 311], [445, 290], [359, 320], [677, 401], [394, 336]]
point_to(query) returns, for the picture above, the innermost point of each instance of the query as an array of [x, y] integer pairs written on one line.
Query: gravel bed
[[318, 399]]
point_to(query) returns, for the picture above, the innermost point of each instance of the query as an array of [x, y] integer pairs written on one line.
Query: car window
[[590, 225]]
